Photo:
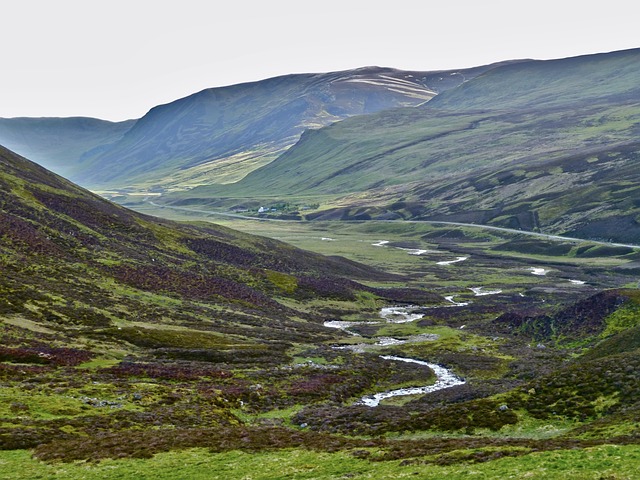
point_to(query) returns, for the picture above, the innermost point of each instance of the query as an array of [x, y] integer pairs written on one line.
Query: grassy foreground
[[604, 462]]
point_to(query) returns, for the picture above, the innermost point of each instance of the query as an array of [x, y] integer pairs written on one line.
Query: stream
[[444, 377], [450, 262], [394, 314]]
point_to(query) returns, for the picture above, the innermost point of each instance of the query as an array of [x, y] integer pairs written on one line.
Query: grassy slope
[[73, 260], [556, 83], [593, 463], [504, 148]]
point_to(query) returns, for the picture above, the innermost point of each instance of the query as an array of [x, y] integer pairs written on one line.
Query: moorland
[[444, 289]]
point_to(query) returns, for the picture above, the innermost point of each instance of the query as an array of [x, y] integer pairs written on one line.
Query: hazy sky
[[116, 59]]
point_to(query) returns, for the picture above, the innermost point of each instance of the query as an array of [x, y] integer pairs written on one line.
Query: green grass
[[283, 415], [354, 241], [38, 405], [530, 427], [622, 319], [611, 462], [173, 338], [286, 283], [99, 363]]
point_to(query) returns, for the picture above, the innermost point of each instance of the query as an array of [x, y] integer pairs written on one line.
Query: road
[[546, 236], [526, 232]]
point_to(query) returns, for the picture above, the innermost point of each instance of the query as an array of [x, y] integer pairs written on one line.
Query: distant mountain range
[[549, 145], [59, 143], [536, 145], [220, 134]]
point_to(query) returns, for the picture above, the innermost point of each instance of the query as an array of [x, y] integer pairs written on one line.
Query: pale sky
[[117, 59]]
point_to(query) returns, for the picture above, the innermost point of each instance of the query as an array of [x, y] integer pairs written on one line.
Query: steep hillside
[[548, 145], [58, 143], [73, 261]]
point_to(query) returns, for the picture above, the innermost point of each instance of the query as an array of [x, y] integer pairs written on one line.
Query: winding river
[[444, 377]]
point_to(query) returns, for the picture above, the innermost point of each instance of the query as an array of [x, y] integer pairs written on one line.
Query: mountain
[[58, 143], [220, 134], [543, 145]]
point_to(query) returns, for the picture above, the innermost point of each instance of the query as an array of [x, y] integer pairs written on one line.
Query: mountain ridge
[[290, 105], [468, 155], [220, 134]]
